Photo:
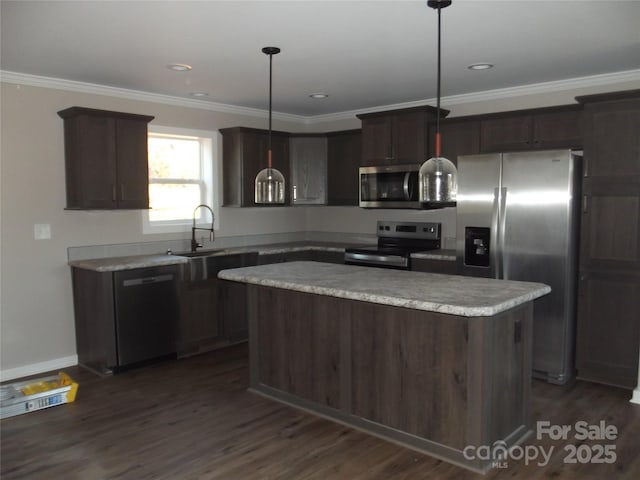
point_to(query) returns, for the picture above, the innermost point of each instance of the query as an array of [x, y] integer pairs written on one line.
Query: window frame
[[209, 176]]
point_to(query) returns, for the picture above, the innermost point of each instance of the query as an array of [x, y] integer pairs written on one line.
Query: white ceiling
[[362, 53]]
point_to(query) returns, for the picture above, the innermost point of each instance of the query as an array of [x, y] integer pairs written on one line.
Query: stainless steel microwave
[[389, 186]]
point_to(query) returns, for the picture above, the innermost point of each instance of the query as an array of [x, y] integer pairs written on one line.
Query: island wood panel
[[500, 390], [410, 371], [298, 341], [433, 381]]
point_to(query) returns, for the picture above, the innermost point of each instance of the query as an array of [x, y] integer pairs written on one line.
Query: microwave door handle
[[407, 192]]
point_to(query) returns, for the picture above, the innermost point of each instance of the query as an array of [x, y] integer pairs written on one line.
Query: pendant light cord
[[438, 91], [270, 94]]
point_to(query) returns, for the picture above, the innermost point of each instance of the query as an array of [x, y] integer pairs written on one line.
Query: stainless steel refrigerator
[[518, 219]]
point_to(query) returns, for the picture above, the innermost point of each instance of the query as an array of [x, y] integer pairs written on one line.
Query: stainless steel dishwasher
[[146, 313]]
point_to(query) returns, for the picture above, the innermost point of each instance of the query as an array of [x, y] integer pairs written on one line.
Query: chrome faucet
[[194, 244]]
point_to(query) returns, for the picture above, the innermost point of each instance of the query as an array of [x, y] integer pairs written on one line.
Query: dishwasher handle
[[132, 282]]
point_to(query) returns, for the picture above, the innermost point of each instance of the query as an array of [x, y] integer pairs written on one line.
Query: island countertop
[[451, 294]]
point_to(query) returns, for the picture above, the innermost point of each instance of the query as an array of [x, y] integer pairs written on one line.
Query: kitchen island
[[439, 363]]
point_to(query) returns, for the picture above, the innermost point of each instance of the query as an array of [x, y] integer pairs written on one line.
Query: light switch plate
[[42, 231]]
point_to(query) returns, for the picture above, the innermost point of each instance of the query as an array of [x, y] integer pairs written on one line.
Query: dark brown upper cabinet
[[308, 162], [544, 128], [459, 136], [344, 150], [397, 136], [244, 154], [106, 159]]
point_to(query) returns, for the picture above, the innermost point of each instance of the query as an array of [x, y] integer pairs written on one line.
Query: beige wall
[[36, 309], [36, 313]]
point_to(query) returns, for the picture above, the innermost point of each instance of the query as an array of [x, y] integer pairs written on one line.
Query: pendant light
[[438, 177], [269, 188]]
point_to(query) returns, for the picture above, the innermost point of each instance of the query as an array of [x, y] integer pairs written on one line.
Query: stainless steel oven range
[[396, 242]]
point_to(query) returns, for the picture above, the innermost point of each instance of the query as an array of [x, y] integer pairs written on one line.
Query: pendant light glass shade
[[438, 176], [438, 183], [269, 183], [269, 186]]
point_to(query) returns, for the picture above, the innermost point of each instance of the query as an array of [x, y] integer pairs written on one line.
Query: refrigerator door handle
[[495, 235], [503, 233]]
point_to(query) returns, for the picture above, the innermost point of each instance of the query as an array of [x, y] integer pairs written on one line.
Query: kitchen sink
[[201, 253], [205, 264]]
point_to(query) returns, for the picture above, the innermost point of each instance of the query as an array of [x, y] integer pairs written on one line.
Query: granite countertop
[[442, 254], [113, 264], [274, 248], [452, 294]]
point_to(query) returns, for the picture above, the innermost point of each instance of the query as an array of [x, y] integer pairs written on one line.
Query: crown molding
[[96, 89], [488, 95], [498, 94]]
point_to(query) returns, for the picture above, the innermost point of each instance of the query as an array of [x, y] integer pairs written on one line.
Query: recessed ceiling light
[[179, 67], [480, 66], [319, 95], [199, 94]]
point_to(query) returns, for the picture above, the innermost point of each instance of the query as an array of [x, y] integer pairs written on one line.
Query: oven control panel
[[417, 230]]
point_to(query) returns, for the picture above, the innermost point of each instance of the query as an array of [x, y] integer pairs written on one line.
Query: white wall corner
[[636, 393]]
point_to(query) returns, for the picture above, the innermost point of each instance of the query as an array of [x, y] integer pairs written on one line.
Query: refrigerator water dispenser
[[477, 246]]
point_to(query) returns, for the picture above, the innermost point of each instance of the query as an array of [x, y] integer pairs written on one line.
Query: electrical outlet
[[42, 231]]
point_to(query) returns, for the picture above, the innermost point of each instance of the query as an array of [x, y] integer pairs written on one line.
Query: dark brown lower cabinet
[[311, 255], [609, 328], [433, 381], [327, 256], [200, 327], [232, 306], [448, 267], [213, 312]]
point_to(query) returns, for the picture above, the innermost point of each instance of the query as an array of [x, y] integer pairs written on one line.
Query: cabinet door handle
[[585, 166], [122, 191], [585, 204], [113, 192]]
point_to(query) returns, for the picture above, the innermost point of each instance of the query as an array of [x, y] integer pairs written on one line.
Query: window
[[182, 175]]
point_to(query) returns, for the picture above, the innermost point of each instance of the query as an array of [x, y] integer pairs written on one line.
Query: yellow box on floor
[[23, 397]]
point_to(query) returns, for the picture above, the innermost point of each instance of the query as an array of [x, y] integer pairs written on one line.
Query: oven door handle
[[376, 259]]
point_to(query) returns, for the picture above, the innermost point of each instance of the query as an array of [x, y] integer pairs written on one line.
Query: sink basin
[[201, 253], [206, 264]]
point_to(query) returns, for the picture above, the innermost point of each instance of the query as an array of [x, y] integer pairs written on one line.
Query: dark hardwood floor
[[194, 419]]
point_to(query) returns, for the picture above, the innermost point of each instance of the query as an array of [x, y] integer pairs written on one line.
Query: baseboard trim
[[35, 368]]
